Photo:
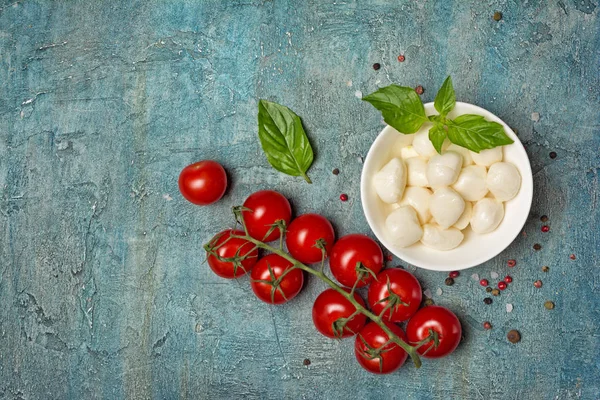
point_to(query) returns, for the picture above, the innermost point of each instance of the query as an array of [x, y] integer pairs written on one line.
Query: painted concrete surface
[[103, 292]]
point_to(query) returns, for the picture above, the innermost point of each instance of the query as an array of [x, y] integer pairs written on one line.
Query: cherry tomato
[[405, 299], [350, 256], [372, 352], [434, 320], [261, 210], [330, 306], [303, 234], [263, 278], [203, 183], [229, 247]]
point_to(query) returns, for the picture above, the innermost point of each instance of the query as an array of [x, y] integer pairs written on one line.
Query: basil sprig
[[403, 110], [283, 139]]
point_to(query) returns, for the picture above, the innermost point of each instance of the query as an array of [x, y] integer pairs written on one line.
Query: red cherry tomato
[[203, 183], [330, 306], [288, 287], [229, 247], [303, 234], [434, 320], [406, 294], [372, 352], [346, 255], [261, 210]]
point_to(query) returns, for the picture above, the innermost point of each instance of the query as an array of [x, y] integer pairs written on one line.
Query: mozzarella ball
[[408, 152], [443, 170], [417, 171], [403, 226], [441, 239], [402, 142], [503, 180], [464, 219], [423, 145], [471, 184], [487, 215], [487, 157], [446, 207], [390, 181], [464, 152], [418, 198]]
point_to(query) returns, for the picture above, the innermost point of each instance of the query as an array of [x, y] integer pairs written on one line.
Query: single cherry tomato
[[331, 309], [404, 300], [373, 351], [430, 322], [261, 210], [203, 183], [304, 236], [351, 256], [267, 272], [241, 254]]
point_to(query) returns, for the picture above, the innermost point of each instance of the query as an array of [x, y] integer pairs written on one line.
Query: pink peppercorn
[[502, 285], [401, 58], [484, 282], [508, 279], [343, 197], [545, 228], [572, 256], [512, 263], [487, 326], [454, 274], [537, 284]]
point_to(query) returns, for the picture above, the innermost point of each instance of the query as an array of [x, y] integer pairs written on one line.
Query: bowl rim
[[526, 180]]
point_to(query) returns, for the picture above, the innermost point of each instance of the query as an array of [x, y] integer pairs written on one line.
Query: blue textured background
[[102, 290]]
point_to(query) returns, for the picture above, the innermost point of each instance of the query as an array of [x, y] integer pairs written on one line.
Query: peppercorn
[[537, 284], [487, 325], [487, 300], [508, 279], [343, 197], [496, 292], [544, 218], [488, 289], [401, 58], [484, 282], [502, 285], [449, 281], [306, 362], [553, 155], [511, 263], [335, 171], [545, 228], [428, 302], [549, 305], [572, 257], [454, 274], [497, 16], [537, 246], [376, 66], [419, 89], [545, 268], [513, 336]]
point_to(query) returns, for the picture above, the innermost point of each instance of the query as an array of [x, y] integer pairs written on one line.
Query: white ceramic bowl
[[475, 249]]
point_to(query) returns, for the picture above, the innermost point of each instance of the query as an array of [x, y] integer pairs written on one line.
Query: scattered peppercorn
[[454, 274], [428, 302], [502, 285], [488, 289], [389, 257], [545, 268], [508, 279], [343, 197], [449, 281], [549, 305], [553, 155], [306, 362], [376, 66], [335, 171], [572, 257], [487, 300], [544, 218], [484, 282], [401, 58], [513, 336], [511, 263], [537, 246], [537, 284], [497, 16], [545, 228], [495, 292], [487, 325], [419, 89]]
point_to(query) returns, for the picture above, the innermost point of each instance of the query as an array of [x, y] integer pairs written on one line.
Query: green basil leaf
[[400, 106], [445, 99], [475, 133], [283, 139], [437, 135]]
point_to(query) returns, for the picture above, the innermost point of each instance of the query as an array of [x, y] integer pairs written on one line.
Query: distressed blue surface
[[102, 290]]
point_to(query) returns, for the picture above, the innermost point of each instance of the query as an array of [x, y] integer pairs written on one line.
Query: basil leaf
[[283, 139], [400, 106], [437, 135], [445, 99], [475, 133]]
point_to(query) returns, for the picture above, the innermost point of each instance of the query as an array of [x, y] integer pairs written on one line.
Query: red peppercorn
[[537, 284], [502, 285], [419, 89], [487, 326], [572, 256], [512, 263], [484, 282], [508, 279], [401, 58], [454, 274], [389, 257], [343, 197], [545, 228]]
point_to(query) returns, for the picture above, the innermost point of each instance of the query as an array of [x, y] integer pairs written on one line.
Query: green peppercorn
[[428, 302], [545, 268], [549, 305], [496, 292], [497, 16], [488, 289]]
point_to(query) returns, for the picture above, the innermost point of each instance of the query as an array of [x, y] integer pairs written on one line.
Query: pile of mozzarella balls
[[436, 196]]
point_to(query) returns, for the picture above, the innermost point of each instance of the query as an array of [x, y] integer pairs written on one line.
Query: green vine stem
[[410, 350]]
